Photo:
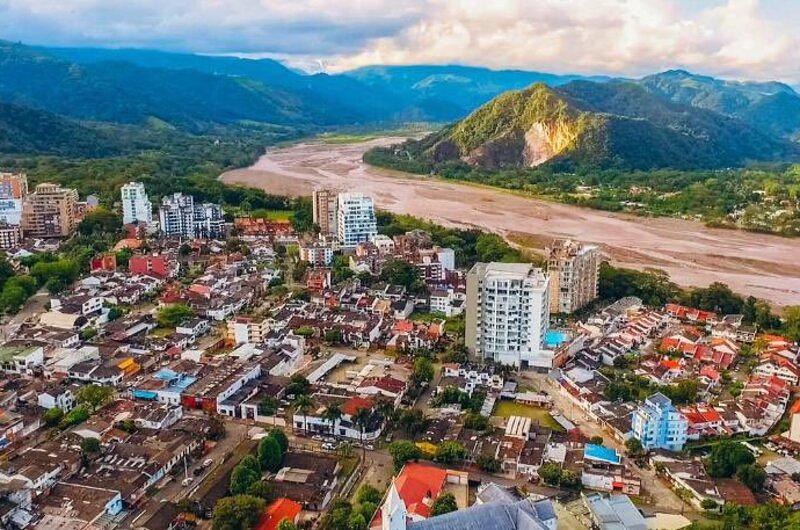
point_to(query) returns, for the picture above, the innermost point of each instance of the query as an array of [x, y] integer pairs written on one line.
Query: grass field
[[504, 409], [272, 215]]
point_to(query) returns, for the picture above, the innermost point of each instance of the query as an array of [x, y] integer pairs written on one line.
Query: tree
[[286, 524], [423, 369], [450, 452], [268, 406], [445, 503], [489, 463], [403, 451], [726, 457], [90, 445], [569, 479], [270, 455], [171, 315], [399, 272], [53, 416], [216, 429], [240, 512], [281, 438], [752, 476], [303, 405], [634, 447], [242, 478], [94, 396], [596, 440], [262, 490], [709, 504], [550, 473], [100, 221], [367, 493], [332, 414], [791, 317], [362, 419], [298, 385], [413, 422]]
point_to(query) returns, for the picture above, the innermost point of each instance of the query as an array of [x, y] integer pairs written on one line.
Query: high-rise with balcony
[[49, 211], [356, 221], [136, 207], [508, 314], [573, 269], [176, 215], [324, 203], [659, 425]]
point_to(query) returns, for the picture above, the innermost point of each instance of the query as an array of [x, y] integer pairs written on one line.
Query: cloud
[[734, 38]]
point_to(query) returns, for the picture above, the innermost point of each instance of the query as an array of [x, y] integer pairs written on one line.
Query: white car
[[207, 462], [187, 481]]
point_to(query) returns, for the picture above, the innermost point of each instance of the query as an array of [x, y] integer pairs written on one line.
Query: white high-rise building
[[209, 220], [176, 215], [356, 221], [136, 207], [508, 313]]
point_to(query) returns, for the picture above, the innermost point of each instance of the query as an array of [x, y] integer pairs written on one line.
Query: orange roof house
[[280, 510], [419, 485]]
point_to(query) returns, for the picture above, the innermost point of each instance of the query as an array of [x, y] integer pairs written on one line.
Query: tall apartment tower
[[659, 425], [13, 190], [356, 221], [324, 210], [49, 211], [176, 215], [136, 207], [573, 269], [508, 313], [209, 220]]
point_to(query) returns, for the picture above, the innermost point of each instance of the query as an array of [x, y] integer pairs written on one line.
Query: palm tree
[[303, 405], [332, 414], [361, 419]]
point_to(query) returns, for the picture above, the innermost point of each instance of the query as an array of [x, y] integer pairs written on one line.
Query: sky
[[744, 39]]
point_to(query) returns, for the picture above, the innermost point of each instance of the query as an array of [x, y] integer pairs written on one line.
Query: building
[[356, 221], [136, 207], [282, 509], [324, 203], [573, 269], [318, 254], [9, 235], [49, 211], [13, 189], [659, 425], [159, 265], [176, 215], [209, 220], [508, 314], [246, 330], [613, 512]]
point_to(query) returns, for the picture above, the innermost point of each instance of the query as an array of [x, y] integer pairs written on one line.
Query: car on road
[[207, 462], [187, 481]]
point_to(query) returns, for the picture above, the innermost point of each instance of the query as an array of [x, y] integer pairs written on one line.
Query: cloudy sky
[[731, 38]]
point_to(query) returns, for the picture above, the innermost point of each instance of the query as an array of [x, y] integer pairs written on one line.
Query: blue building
[[659, 425]]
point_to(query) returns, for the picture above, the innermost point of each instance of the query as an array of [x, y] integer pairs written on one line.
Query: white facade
[[13, 189], [356, 219], [508, 314], [136, 207], [209, 220]]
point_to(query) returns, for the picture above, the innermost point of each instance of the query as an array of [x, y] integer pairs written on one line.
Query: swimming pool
[[555, 338]]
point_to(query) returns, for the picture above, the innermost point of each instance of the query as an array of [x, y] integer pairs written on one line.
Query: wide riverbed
[[755, 264]]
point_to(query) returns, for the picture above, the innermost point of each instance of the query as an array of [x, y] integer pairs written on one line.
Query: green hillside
[[601, 125]]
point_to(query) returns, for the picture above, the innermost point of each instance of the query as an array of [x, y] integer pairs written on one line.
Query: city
[[207, 364]]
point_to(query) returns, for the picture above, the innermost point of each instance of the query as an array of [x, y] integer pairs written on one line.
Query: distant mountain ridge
[[599, 125]]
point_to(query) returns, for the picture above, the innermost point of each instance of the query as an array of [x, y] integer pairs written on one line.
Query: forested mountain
[[585, 124], [771, 106]]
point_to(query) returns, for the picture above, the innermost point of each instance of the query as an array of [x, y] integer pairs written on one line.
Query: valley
[[694, 255]]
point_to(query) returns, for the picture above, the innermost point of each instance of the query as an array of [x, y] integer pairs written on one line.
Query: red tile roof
[[276, 512], [418, 482], [354, 404]]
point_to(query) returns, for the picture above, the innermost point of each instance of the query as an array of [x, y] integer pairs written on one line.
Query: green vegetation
[[768, 516], [94, 396], [403, 451], [445, 503], [727, 457], [170, 316], [505, 409], [450, 452], [552, 474], [240, 512]]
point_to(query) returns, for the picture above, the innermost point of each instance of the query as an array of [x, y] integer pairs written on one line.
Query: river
[[761, 265]]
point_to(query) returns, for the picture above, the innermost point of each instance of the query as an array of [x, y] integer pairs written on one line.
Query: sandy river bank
[[765, 266]]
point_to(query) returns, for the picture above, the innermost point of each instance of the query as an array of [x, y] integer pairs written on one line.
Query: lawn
[[272, 215], [505, 408]]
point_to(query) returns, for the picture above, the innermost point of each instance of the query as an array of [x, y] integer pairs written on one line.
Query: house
[[315, 421], [780, 367], [307, 479], [193, 328], [21, 357], [56, 395], [613, 512], [279, 510]]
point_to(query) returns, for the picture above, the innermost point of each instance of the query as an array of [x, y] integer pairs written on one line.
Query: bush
[[403, 451]]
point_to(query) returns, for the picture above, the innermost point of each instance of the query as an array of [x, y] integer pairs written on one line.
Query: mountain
[[588, 124], [124, 92], [771, 106], [454, 90], [26, 130]]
